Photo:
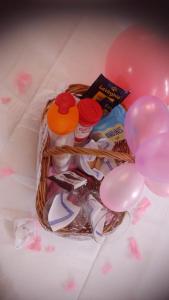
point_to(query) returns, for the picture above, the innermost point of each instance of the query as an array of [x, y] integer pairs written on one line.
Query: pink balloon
[[152, 158], [161, 189], [146, 118], [138, 61], [121, 188]]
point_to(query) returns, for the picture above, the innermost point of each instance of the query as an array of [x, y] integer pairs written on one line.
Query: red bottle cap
[[64, 102], [90, 112]]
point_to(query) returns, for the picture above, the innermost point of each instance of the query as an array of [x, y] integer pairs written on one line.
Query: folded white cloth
[[82, 161], [98, 218], [62, 212]]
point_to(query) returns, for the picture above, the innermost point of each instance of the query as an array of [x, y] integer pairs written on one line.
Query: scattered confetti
[[5, 100], [49, 248], [23, 82], [140, 210], [106, 268], [70, 285], [6, 171], [133, 248], [35, 244]]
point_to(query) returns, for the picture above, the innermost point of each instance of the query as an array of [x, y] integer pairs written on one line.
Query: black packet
[[107, 93]]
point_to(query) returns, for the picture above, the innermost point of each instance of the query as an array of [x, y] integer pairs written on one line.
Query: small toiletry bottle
[[90, 113], [62, 119]]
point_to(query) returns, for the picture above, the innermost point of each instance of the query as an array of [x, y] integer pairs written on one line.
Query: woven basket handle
[[88, 151]]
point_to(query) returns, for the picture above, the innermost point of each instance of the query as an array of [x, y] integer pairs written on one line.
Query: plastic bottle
[[62, 119], [90, 112]]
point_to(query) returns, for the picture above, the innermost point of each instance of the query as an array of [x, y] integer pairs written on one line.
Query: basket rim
[[46, 161]]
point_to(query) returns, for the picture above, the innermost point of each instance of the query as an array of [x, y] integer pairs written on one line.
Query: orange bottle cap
[[63, 114]]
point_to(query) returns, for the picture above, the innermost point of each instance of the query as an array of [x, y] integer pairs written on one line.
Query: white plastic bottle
[[62, 119]]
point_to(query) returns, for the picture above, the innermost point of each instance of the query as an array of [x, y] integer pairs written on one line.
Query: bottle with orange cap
[[62, 119]]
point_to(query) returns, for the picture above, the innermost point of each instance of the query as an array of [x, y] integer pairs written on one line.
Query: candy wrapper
[[107, 93], [111, 126]]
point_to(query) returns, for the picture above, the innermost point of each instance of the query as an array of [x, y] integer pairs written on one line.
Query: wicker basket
[[72, 229]]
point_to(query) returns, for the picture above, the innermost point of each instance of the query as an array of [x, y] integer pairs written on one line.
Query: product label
[[82, 132], [113, 134]]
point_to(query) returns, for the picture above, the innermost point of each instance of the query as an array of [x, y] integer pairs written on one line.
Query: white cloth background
[[40, 56]]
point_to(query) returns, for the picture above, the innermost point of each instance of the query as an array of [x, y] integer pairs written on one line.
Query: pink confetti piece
[[140, 209], [106, 268], [6, 171], [23, 82], [49, 248], [70, 285], [5, 100], [35, 244], [133, 248]]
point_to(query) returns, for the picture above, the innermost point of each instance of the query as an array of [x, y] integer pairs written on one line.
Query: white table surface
[[69, 49]]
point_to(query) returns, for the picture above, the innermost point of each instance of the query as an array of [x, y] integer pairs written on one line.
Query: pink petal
[[6, 171], [35, 244], [23, 82], [5, 100], [133, 248], [49, 248], [106, 268], [140, 209], [70, 285]]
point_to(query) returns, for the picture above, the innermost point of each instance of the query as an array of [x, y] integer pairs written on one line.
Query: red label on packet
[[107, 93]]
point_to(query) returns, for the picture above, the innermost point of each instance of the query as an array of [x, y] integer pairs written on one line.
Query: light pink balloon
[[146, 118], [138, 61], [121, 188], [152, 158], [161, 189]]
